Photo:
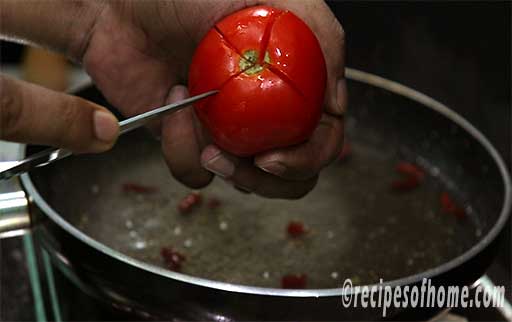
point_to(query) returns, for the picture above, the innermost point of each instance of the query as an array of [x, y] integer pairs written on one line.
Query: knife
[[50, 155]]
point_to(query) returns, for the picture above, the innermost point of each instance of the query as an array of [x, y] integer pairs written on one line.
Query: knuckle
[[70, 111], [10, 109], [70, 117], [340, 31]]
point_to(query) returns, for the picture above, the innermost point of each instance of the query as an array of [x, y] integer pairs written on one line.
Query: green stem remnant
[[249, 64]]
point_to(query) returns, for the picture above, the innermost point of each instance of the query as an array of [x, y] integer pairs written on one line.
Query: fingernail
[[177, 93], [106, 126], [220, 165], [274, 168]]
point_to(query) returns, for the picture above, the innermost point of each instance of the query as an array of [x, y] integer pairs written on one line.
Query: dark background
[[457, 52]]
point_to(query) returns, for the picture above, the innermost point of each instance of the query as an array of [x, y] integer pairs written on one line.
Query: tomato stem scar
[[250, 62]]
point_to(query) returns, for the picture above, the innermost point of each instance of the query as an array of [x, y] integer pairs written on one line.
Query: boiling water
[[357, 226]]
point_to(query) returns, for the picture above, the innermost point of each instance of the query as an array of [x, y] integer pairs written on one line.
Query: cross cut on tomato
[[270, 72]]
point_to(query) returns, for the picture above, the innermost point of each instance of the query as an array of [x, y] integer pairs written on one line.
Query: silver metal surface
[[361, 77], [50, 155], [14, 216]]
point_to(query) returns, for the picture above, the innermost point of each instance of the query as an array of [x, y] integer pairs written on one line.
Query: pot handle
[[14, 203], [14, 215]]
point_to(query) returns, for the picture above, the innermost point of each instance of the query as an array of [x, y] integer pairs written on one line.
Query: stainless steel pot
[[387, 121]]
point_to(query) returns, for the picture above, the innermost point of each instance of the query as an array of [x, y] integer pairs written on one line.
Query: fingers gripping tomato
[[271, 74]]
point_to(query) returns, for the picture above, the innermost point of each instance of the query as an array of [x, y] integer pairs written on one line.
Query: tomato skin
[[245, 29], [307, 69], [264, 113], [216, 64], [278, 105]]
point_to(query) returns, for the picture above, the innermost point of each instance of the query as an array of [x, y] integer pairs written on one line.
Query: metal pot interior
[[358, 227]]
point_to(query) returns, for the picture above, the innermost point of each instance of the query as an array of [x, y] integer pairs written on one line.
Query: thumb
[[33, 114]]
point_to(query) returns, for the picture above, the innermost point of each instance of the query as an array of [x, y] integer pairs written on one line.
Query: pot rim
[[354, 75]]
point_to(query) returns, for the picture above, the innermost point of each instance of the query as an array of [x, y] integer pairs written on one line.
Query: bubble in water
[[330, 234], [223, 225], [410, 262], [434, 171], [266, 275], [133, 234], [177, 230], [140, 244], [187, 243], [128, 223], [334, 275]]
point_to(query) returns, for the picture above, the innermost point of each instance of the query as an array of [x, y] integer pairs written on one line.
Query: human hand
[[138, 54], [33, 114]]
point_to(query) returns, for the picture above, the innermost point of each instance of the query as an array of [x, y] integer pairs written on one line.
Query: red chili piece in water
[[172, 258], [410, 169], [346, 151], [296, 229], [406, 184], [294, 281], [413, 176], [213, 203], [450, 207], [189, 202], [138, 188]]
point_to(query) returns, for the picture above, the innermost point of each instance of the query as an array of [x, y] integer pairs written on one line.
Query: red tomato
[[271, 74]]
